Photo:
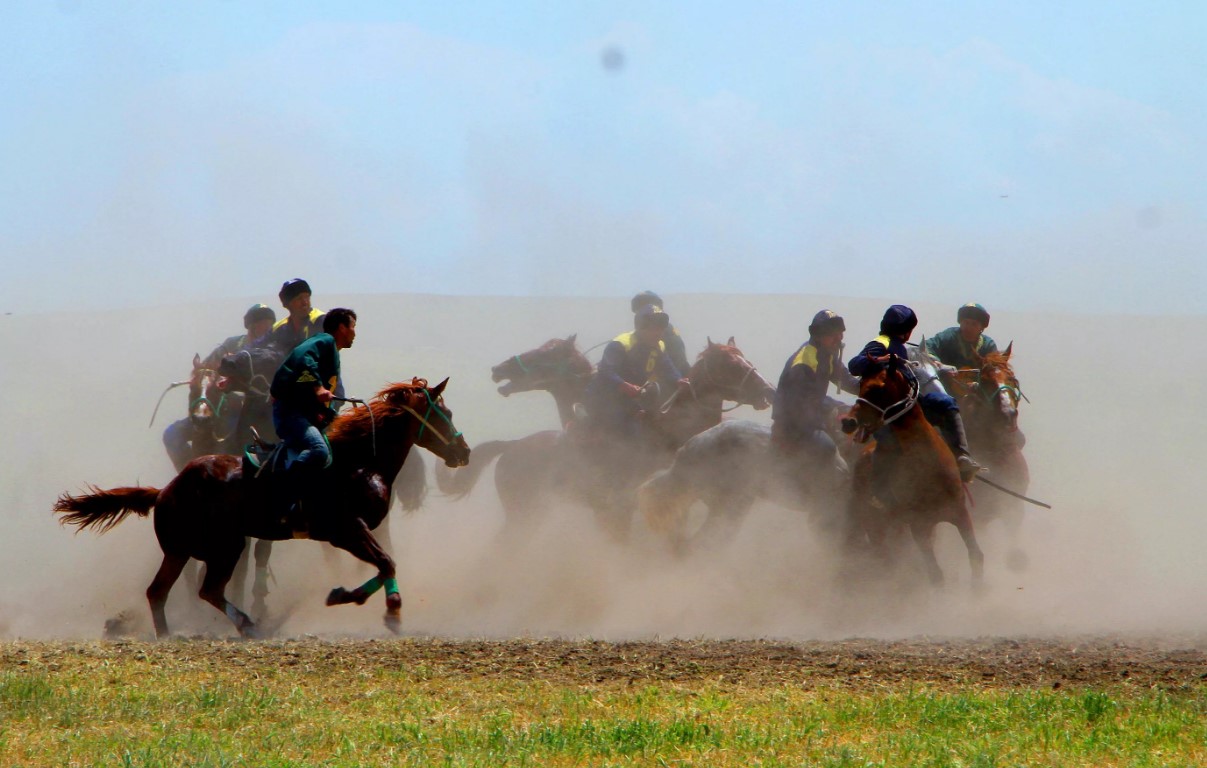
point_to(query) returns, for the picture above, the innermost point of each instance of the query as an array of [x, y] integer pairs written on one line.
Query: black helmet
[[646, 299], [256, 313], [651, 316], [898, 320], [290, 289], [826, 322], [975, 311]]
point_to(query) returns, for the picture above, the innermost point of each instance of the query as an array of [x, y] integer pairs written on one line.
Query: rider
[[630, 362], [302, 390], [963, 345], [303, 321], [674, 342], [178, 437], [800, 409], [939, 408]]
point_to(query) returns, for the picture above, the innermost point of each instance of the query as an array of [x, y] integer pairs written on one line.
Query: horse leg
[[259, 589], [218, 571], [239, 577], [157, 593], [976, 559], [924, 537], [358, 540]]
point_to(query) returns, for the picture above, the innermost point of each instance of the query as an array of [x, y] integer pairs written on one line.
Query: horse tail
[[102, 510], [458, 484]]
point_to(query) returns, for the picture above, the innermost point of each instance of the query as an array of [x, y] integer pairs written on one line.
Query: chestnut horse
[[917, 482], [990, 407], [582, 466], [208, 509]]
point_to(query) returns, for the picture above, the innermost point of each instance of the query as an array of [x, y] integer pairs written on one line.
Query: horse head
[[997, 391], [884, 396], [555, 362], [205, 397], [436, 433], [723, 369]]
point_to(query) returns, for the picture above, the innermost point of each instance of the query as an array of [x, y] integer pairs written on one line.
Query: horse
[[556, 367], [990, 406], [728, 467], [207, 510], [907, 476], [583, 466]]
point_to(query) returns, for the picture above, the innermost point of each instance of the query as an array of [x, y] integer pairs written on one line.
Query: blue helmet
[[898, 320]]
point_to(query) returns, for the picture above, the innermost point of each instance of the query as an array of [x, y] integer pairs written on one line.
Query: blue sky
[[1026, 155]]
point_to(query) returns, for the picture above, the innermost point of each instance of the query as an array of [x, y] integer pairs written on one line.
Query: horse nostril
[[849, 425]]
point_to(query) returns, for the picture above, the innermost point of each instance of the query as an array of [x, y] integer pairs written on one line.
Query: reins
[[431, 406], [903, 405]]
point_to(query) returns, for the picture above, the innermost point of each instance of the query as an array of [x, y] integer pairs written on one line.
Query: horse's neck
[[566, 394], [691, 412]]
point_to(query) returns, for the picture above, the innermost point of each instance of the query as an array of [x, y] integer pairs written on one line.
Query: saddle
[[263, 458]]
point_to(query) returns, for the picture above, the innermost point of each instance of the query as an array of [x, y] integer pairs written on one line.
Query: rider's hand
[[324, 395], [629, 390], [683, 384]]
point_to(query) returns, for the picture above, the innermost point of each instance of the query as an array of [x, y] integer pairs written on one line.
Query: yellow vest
[[627, 340]]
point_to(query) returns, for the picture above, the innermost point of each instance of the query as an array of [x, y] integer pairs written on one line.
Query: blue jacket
[[801, 394], [861, 365]]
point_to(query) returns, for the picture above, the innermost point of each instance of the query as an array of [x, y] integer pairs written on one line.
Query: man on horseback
[[801, 408], [630, 362], [303, 321], [302, 390], [178, 437], [963, 345], [940, 408], [675, 347]]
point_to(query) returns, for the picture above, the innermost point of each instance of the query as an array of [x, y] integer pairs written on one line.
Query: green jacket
[[313, 362], [950, 349]]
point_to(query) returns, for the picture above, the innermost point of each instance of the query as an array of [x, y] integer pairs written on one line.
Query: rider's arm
[[611, 364], [860, 363]]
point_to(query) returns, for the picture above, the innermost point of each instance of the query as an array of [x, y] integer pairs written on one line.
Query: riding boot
[[954, 432]]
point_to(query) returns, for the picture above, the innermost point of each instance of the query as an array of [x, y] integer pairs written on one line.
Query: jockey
[[674, 342], [302, 391], [963, 345], [800, 410], [630, 362], [939, 408], [303, 321], [178, 437]]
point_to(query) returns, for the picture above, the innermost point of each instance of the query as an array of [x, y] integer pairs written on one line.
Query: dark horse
[[990, 405], [208, 509], [582, 465], [917, 482], [556, 367]]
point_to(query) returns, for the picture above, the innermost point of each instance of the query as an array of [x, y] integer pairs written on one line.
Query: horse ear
[[436, 390], [571, 339], [709, 340], [196, 360], [1009, 349], [730, 343]]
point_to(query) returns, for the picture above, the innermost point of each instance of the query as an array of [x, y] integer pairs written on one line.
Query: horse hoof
[[393, 622], [338, 596]]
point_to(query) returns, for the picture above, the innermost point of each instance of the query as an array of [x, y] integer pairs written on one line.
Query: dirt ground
[[856, 664]]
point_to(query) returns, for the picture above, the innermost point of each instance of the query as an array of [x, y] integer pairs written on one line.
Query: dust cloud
[[1111, 422]]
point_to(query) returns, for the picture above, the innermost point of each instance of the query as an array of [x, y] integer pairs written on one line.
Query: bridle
[[898, 408], [712, 380]]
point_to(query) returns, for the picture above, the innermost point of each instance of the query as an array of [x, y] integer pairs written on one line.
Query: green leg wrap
[[391, 586], [371, 586]]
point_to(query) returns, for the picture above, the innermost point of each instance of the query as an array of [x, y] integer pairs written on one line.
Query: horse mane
[[998, 360], [390, 402]]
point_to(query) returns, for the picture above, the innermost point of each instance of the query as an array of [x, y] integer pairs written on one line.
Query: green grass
[[127, 712]]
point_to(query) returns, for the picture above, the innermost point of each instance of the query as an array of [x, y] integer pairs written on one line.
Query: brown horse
[[208, 509], [585, 467], [556, 367], [908, 476], [990, 406]]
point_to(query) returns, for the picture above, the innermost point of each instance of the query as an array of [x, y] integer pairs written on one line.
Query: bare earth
[[856, 664]]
